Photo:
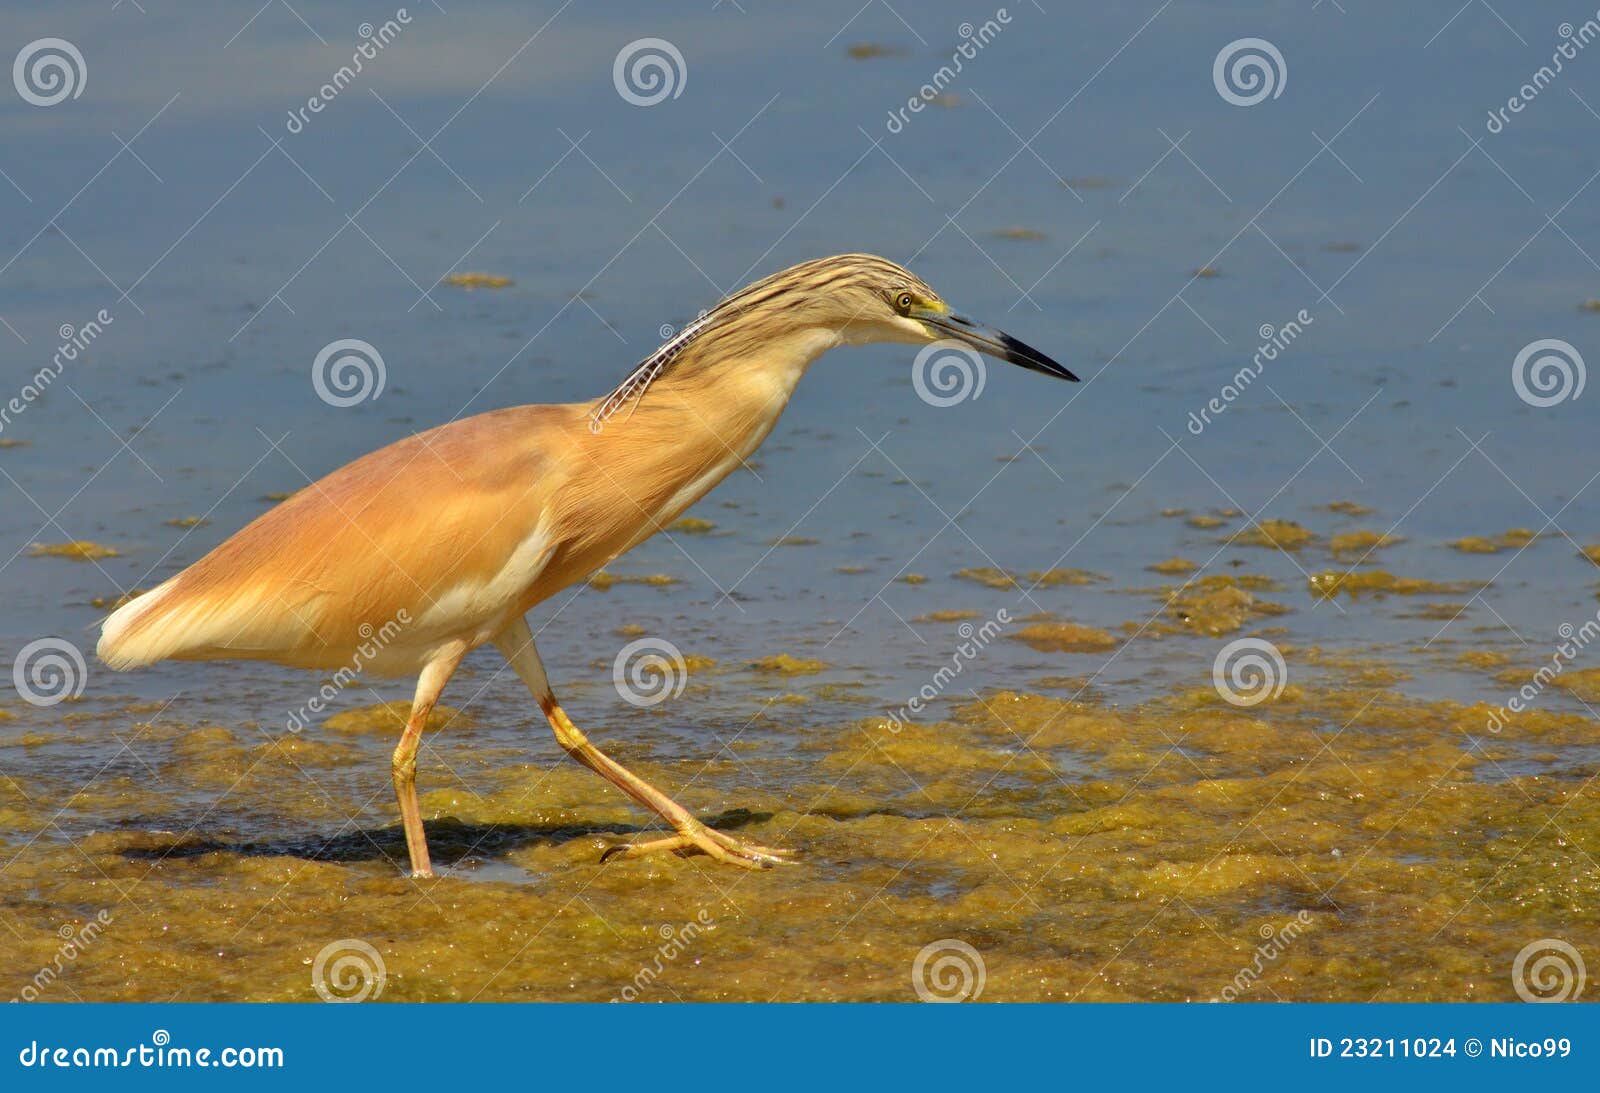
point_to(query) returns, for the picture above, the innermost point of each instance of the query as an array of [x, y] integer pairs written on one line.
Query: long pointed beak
[[995, 343]]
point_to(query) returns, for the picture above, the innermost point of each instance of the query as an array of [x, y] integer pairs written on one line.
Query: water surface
[[1098, 824]]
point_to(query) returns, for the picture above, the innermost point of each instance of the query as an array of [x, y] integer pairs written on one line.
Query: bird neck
[[743, 375], [691, 428], [719, 406]]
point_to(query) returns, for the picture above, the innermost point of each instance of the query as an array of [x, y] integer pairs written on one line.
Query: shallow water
[[1081, 807]]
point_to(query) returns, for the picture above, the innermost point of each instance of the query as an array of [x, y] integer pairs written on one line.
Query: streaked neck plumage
[[688, 430]]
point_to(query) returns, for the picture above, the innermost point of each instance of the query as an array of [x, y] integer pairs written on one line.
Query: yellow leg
[[516, 643], [430, 684]]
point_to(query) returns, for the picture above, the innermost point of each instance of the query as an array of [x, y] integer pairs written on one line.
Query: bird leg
[[430, 684], [692, 835], [516, 643]]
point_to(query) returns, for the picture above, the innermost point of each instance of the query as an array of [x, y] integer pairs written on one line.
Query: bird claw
[[712, 843]]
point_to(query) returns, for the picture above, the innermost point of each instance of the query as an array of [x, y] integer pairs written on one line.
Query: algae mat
[[1341, 841]]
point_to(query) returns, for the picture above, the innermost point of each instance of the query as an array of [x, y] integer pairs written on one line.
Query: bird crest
[[627, 394]]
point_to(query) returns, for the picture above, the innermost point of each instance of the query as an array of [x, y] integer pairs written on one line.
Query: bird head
[[870, 299], [849, 298]]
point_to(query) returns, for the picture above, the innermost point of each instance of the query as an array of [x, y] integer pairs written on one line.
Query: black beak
[[995, 343]]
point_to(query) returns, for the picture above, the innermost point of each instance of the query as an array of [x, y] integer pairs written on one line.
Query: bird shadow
[[450, 841]]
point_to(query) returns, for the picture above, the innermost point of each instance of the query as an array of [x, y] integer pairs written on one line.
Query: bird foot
[[704, 840]]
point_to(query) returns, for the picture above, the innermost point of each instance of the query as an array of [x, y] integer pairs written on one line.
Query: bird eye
[[903, 301]]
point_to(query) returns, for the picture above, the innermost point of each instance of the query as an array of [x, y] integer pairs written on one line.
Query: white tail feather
[[128, 638]]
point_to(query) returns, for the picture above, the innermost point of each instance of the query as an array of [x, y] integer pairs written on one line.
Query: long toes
[[771, 855], [775, 858], [732, 855], [761, 855], [786, 856], [713, 844], [672, 843]]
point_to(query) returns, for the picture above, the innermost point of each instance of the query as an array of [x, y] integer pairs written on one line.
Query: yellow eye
[[903, 301]]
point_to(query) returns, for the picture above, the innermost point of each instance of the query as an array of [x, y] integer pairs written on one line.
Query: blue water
[[228, 251]]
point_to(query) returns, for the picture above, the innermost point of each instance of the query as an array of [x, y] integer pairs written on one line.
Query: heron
[[443, 541]]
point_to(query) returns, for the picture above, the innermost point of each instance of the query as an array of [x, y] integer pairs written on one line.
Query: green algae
[[1020, 235], [1065, 637], [992, 577], [1278, 534], [473, 281], [1091, 843], [1046, 832], [948, 615], [1360, 543], [79, 550], [1380, 583], [785, 665], [604, 581], [1512, 539], [1219, 605]]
